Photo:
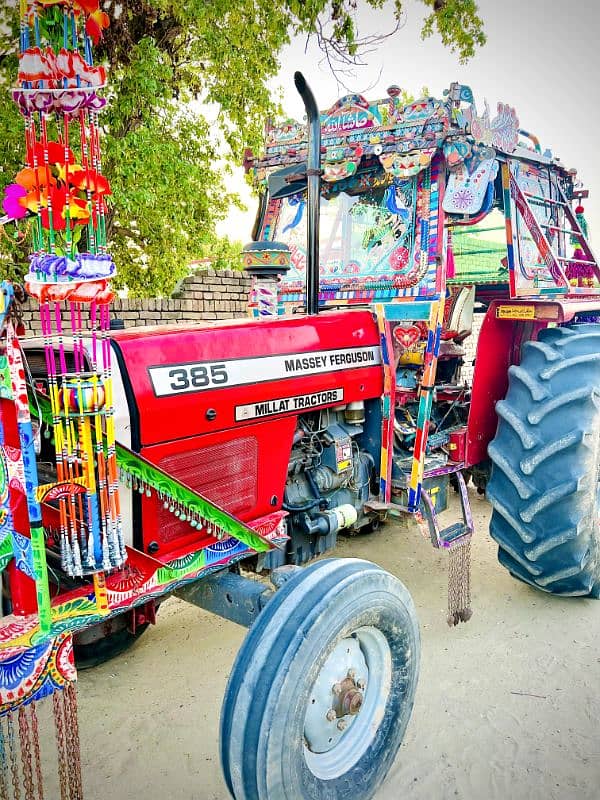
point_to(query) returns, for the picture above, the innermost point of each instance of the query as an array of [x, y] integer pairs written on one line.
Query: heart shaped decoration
[[407, 337]]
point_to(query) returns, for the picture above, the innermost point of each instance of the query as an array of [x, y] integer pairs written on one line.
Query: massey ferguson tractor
[[181, 460]]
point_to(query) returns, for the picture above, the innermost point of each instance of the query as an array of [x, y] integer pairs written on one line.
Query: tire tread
[[543, 486]]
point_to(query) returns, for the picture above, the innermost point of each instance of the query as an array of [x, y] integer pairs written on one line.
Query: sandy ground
[[507, 706]]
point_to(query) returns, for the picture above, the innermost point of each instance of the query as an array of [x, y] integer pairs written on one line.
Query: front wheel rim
[[334, 744]]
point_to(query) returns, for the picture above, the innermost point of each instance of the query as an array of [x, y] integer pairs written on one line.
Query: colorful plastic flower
[[56, 153], [87, 6], [36, 64], [61, 172], [97, 22], [30, 178], [12, 203], [89, 180], [71, 65], [30, 102], [66, 69], [78, 211]]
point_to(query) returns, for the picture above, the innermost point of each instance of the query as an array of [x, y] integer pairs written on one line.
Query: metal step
[[450, 534]]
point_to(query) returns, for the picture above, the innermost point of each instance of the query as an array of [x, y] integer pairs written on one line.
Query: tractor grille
[[224, 473], [37, 362]]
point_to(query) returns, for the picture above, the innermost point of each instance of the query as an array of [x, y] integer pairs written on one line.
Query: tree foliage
[[189, 92]]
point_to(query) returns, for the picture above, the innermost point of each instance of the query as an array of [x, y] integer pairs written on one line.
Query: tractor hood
[[189, 380]]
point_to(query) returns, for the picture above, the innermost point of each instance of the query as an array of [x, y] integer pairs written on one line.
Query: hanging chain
[[467, 612], [459, 583], [73, 744], [26, 762], [36, 750], [13, 757], [3, 764], [452, 588], [57, 702], [71, 766]]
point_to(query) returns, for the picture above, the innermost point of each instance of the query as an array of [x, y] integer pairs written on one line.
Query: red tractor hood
[[181, 381]]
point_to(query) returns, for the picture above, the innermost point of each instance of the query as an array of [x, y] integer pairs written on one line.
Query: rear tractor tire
[[323, 687], [544, 486]]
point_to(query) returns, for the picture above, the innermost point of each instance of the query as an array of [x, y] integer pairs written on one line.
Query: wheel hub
[[347, 703], [336, 698], [349, 696]]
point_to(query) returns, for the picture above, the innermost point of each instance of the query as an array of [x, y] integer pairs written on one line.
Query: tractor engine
[[328, 480]]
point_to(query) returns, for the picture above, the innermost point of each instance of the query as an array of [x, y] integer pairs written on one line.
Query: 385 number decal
[[199, 376]]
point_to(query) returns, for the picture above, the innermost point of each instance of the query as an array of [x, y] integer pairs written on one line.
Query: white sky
[[542, 57]]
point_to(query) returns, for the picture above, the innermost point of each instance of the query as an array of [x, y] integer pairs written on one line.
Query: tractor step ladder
[[545, 235], [457, 532]]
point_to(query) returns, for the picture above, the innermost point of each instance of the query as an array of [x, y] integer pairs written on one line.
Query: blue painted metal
[[228, 595], [419, 310]]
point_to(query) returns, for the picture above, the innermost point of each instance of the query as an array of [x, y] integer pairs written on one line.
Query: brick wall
[[205, 295]]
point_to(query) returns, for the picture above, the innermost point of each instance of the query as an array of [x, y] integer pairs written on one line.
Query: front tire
[[545, 464], [323, 687]]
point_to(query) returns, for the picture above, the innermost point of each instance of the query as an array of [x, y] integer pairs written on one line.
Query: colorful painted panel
[[533, 270], [354, 127], [470, 186], [143, 578], [30, 674], [377, 243], [6, 526]]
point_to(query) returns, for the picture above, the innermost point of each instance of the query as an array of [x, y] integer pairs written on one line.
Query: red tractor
[[257, 442]]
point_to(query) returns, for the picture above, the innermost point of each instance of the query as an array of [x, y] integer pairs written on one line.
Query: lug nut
[[342, 725], [352, 674], [352, 702], [331, 715], [337, 688], [361, 683]]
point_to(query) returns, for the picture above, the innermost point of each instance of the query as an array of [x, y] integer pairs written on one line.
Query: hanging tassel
[[450, 263], [580, 215], [459, 583]]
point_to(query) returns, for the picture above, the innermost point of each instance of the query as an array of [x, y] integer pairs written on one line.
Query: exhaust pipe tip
[[313, 171], [300, 82]]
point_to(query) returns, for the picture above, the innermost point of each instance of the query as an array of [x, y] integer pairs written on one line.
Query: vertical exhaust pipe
[[313, 173]]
